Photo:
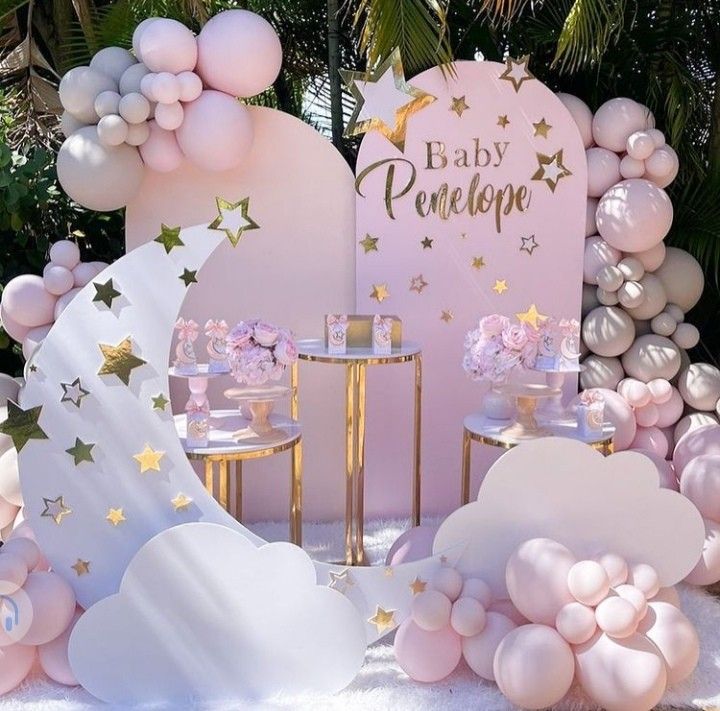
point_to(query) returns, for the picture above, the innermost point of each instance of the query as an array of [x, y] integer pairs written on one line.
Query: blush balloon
[[671, 411], [615, 567], [53, 604], [703, 440], [645, 578], [447, 581], [427, 656], [506, 608], [654, 298], [635, 392], [686, 336], [477, 589], [25, 548], [603, 170], [700, 482], [137, 134], [168, 46], [647, 415], [662, 166], [590, 226], [161, 151], [608, 331], [169, 116], [134, 108], [635, 597], [107, 103], [166, 88], [652, 356], [138, 33], [430, 610], [631, 167], [598, 254], [617, 617], [682, 278], [83, 274], [650, 439], [582, 116], [16, 661], [468, 616], [601, 372], [588, 582], [652, 258], [34, 338], [576, 622], [53, 655], [57, 280], [479, 650], [665, 470], [692, 422], [189, 86], [413, 544], [699, 386], [707, 570], [15, 330], [640, 145], [64, 300], [616, 120], [26, 301], [13, 572]]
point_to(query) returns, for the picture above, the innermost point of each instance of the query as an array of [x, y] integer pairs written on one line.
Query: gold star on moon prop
[[181, 502], [389, 572], [478, 262], [418, 586], [81, 452], [341, 581], [119, 360], [551, 169], [418, 283], [426, 243], [369, 244], [500, 286], [160, 402], [233, 219], [384, 100], [542, 128], [531, 316], [379, 292], [383, 619], [73, 392], [458, 105], [22, 425], [115, 516], [446, 316], [106, 293], [529, 244], [189, 276], [517, 72], [149, 459], [503, 120], [55, 509], [169, 238], [81, 567]]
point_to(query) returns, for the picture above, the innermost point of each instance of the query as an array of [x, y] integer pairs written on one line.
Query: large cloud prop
[[562, 489], [204, 614]]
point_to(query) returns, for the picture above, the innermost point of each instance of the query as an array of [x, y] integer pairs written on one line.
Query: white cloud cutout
[[203, 614], [562, 489]]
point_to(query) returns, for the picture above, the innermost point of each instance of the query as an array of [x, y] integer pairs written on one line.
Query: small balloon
[[617, 617], [112, 130], [427, 656], [616, 568], [640, 145], [467, 617], [190, 86], [478, 589], [107, 103], [414, 544], [166, 88], [447, 581], [169, 116], [161, 152], [430, 610], [588, 582], [138, 133], [479, 650], [132, 77], [576, 622], [57, 280], [26, 301], [616, 120], [134, 108]]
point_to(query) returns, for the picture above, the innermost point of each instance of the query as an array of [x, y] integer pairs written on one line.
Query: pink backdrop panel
[[298, 266], [443, 269]]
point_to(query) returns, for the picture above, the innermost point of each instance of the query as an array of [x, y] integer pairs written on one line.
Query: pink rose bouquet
[[259, 351]]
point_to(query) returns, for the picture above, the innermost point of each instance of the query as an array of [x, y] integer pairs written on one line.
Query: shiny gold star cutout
[[418, 586], [181, 502], [160, 402], [233, 219], [446, 316], [115, 516], [531, 316], [73, 392], [389, 572], [500, 286], [369, 244], [55, 509], [81, 567], [517, 72], [169, 238], [529, 244], [418, 283], [551, 169], [149, 459], [503, 120], [379, 292], [106, 293], [189, 276], [119, 360], [542, 128], [341, 581], [383, 620], [426, 243], [81, 452], [478, 262], [22, 425], [458, 105]]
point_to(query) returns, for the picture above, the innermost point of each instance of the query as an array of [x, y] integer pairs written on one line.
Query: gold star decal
[[181, 502], [149, 459], [22, 425], [55, 509], [418, 586], [115, 516], [418, 283], [105, 293], [517, 72], [169, 238], [529, 244], [478, 262], [189, 276], [542, 128], [551, 169], [389, 572], [503, 120], [160, 402], [379, 292], [341, 581], [369, 244], [426, 243], [73, 392], [81, 567], [119, 360], [33, 368], [233, 219], [459, 105], [81, 452], [383, 620], [500, 286], [446, 316], [531, 316]]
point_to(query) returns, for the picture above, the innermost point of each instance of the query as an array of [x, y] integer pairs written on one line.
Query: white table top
[[224, 423], [314, 349], [203, 372]]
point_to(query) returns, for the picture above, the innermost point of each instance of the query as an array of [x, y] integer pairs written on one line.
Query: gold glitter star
[[478, 262], [390, 119], [503, 120], [341, 581], [500, 286], [369, 244], [105, 293], [232, 223], [459, 105], [531, 316], [160, 402], [551, 169], [529, 244], [418, 586], [379, 292], [417, 283], [119, 360], [426, 243], [81, 567], [181, 502], [389, 572], [383, 619], [81, 452], [169, 238], [446, 316], [149, 459], [55, 509], [73, 392], [542, 128], [115, 516], [22, 425], [517, 72], [189, 276]]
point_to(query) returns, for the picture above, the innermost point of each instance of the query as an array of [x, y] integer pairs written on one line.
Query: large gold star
[[115, 516], [81, 567], [531, 316], [233, 219], [149, 459], [379, 292], [517, 72], [458, 105], [181, 502], [446, 316], [418, 283], [542, 128], [22, 425], [341, 581], [169, 238], [478, 262], [500, 286], [384, 100], [73, 392], [81, 452], [55, 509], [160, 402], [551, 169], [383, 619], [119, 360], [369, 244], [503, 120], [105, 293], [418, 586]]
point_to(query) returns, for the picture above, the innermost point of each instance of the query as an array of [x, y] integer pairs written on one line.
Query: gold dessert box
[[359, 333]]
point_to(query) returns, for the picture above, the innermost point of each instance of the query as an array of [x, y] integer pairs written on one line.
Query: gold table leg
[[238, 490], [350, 378], [294, 407], [209, 477], [296, 495], [416, 493], [360, 466], [224, 479], [465, 484]]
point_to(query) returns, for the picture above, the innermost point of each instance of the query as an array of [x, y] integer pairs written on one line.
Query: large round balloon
[[699, 385], [707, 570], [616, 120], [161, 151], [80, 87], [690, 423], [682, 277], [166, 45], [601, 372], [581, 114], [653, 301], [603, 170], [703, 440], [427, 656], [608, 331], [700, 482], [598, 254], [479, 650], [26, 301], [652, 356]]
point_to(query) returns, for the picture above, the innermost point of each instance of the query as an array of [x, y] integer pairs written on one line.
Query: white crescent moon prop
[[120, 421]]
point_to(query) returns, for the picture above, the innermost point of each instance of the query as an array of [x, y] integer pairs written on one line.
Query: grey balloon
[[654, 298], [601, 372], [608, 331], [699, 385], [652, 356], [682, 277]]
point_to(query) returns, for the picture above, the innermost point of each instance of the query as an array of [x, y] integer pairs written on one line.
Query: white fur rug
[[382, 685]]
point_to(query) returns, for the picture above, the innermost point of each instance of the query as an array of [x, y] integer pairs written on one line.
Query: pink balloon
[[647, 416], [468, 616], [621, 415], [590, 226], [660, 390], [65, 253], [217, 131], [430, 610], [190, 86], [707, 570], [581, 114], [15, 330], [671, 411], [83, 274], [534, 666], [27, 302], [588, 582], [34, 338], [576, 622], [234, 39], [16, 661], [634, 391], [165, 88], [645, 578], [662, 166], [631, 167], [703, 440], [64, 300], [22, 544], [478, 589], [616, 120], [479, 650], [53, 655], [448, 581], [413, 544], [169, 116], [167, 46], [57, 280], [13, 572], [617, 617], [598, 254], [603, 170], [161, 151], [507, 609], [640, 145], [652, 258], [635, 597], [53, 604], [700, 482], [665, 470], [427, 656], [650, 439], [615, 566]]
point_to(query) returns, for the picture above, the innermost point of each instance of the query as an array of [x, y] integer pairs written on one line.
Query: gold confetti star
[[81, 567], [181, 502], [426, 243], [531, 316], [446, 316], [369, 244], [458, 105], [503, 120], [500, 286], [233, 219], [478, 262], [418, 283], [379, 292], [189, 276], [73, 392], [542, 128], [169, 238], [529, 244], [115, 516], [22, 425], [389, 572], [119, 360], [517, 72], [384, 100], [383, 619], [55, 509], [418, 586], [81, 452], [149, 459], [551, 169], [341, 581], [106, 293], [160, 402]]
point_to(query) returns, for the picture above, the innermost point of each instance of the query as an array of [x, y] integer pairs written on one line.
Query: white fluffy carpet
[[382, 685]]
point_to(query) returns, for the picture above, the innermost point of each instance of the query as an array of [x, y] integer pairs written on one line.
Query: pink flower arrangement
[[259, 351]]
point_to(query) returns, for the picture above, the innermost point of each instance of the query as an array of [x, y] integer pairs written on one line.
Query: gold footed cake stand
[[526, 397]]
